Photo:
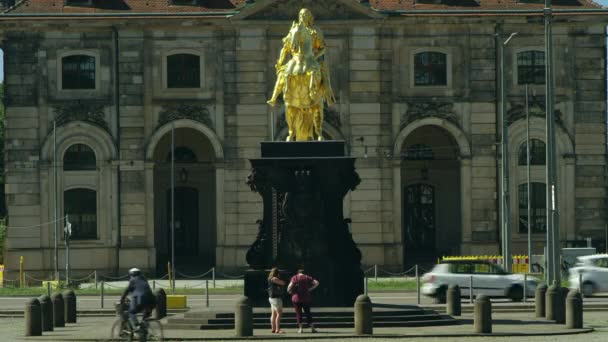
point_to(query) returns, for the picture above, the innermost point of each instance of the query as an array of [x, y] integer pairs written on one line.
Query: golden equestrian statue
[[303, 80]]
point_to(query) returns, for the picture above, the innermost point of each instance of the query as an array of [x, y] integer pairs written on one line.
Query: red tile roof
[[125, 6], [388, 5], [164, 6]]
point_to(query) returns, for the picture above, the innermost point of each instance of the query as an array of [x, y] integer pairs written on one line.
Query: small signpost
[[68, 233]]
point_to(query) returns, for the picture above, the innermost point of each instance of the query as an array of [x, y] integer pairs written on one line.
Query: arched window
[[183, 155], [419, 152], [78, 72], [538, 208], [537, 153], [531, 67], [79, 157], [183, 71], [430, 69], [81, 209]]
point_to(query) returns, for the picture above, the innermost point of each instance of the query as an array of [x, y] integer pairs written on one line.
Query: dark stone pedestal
[[303, 185]]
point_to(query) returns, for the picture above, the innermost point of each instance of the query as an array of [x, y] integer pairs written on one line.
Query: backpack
[[274, 290]]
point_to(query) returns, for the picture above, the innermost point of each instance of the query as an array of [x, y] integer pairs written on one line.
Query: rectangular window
[[531, 67], [538, 208], [430, 69], [183, 71], [78, 72], [81, 210]]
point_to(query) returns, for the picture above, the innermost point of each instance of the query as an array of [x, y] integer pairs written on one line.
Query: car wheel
[[516, 293], [441, 295], [588, 289]]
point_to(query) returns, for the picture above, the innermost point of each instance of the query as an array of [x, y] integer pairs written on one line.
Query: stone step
[[319, 325], [336, 319]]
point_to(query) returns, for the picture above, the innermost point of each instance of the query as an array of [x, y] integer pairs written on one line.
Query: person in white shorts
[[276, 288]]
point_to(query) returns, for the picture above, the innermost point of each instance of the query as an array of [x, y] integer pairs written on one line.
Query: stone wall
[[373, 81]]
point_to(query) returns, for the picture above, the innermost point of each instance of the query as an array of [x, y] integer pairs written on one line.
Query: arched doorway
[[195, 201], [431, 195]]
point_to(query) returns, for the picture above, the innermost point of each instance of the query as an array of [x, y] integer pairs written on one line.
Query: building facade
[[96, 91]]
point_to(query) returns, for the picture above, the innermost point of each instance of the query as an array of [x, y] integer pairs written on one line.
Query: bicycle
[[150, 329]]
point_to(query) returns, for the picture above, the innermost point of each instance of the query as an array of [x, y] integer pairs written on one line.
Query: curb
[[333, 337]]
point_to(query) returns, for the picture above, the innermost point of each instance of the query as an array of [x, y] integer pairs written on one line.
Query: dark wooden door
[[419, 224], [186, 221]]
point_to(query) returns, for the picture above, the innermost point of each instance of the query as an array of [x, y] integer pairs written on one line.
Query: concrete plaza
[[507, 326]]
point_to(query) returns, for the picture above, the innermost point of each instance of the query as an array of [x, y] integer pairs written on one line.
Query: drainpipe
[[116, 98], [497, 35]]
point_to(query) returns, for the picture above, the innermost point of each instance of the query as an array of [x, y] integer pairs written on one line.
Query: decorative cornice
[[421, 110], [80, 111], [198, 113], [536, 107]]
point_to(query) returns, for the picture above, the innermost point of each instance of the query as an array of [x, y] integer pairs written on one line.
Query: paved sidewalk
[[519, 327]]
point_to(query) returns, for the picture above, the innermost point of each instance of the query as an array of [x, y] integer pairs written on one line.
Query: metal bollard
[[207, 293], [46, 313], [364, 318], [365, 285], [525, 299], [483, 315], [33, 318], [376, 273], [243, 318], [69, 298], [574, 310], [453, 305], [101, 294], [161, 304], [539, 300], [471, 292], [58, 310], [554, 304], [48, 288], [417, 285]]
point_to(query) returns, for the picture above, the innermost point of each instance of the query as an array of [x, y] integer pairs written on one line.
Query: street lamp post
[[553, 247], [506, 220]]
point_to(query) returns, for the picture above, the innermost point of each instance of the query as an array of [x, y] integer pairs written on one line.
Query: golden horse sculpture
[[303, 80]]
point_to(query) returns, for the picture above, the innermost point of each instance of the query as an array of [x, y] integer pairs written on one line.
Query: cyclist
[[142, 298]]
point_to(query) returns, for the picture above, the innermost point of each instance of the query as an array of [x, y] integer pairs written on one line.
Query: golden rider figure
[[303, 80]]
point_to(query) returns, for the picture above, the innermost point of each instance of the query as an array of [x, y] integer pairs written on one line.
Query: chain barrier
[[113, 286], [88, 277], [193, 277], [232, 277], [27, 276], [369, 269], [399, 274], [114, 278]]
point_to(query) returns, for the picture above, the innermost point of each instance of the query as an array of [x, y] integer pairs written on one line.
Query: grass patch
[[390, 285]]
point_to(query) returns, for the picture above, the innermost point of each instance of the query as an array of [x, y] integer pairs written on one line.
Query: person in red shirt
[[300, 287]]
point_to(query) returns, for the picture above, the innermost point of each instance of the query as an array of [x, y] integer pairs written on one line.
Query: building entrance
[[186, 224]]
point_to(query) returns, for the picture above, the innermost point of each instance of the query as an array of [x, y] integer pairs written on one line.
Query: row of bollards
[[46, 313], [555, 303]]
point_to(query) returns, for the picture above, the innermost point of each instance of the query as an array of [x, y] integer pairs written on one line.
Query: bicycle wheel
[[122, 331], [155, 330]]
